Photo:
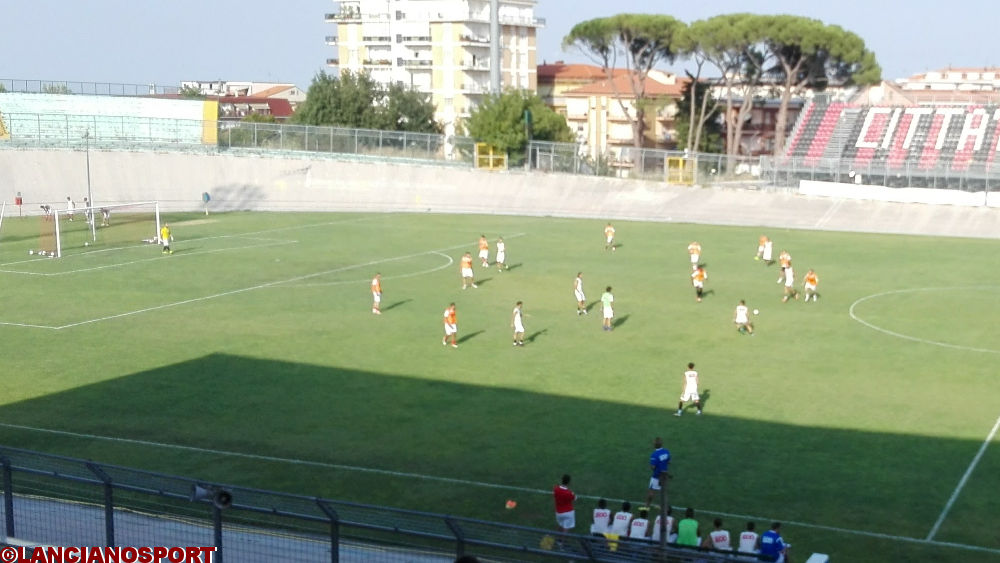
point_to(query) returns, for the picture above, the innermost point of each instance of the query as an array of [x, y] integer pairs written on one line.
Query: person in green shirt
[[687, 530], [607, 305]]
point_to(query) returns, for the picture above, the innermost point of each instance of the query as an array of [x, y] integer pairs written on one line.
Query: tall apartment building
[[441, 47]]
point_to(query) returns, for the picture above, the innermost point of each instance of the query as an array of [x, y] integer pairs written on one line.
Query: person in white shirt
[[669, 528], [718, 538], [621, 520], [639, 526], [501, 255], [690, 390], [581, 299], [602, 518], [749, 540], [741, 316]]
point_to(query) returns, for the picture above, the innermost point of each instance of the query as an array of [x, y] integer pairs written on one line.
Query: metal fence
[[975, 177], [640, 163], [59, 501], [33, 86]]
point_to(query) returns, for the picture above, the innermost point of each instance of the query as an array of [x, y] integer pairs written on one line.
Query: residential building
[[601, 110], [276, 90], [441, 47]]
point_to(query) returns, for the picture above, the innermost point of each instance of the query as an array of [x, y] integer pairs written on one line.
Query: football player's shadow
[[619, 321]]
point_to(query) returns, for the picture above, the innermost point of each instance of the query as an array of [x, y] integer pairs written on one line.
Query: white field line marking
[[251, 288], [238, 235], [913, 338], [963, 480], [273, 242], [399, 277], [337, 466]]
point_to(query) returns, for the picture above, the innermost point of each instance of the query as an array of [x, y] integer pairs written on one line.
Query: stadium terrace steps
[[948, 139]]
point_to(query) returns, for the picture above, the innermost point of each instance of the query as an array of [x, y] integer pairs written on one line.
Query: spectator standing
[[564, 497], [659, 461]]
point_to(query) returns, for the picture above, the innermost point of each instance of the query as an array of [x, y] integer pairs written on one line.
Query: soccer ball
[[86, 244], [756, 311], [31, 252]]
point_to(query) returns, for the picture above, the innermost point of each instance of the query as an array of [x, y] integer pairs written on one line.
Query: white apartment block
[[441, 47]]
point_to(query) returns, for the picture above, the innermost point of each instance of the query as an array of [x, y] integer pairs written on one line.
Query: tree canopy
[[640, 42], [755, 55], [500, 121], [356, 100]]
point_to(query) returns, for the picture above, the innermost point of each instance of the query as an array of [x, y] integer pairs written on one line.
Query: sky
[[167, 41]]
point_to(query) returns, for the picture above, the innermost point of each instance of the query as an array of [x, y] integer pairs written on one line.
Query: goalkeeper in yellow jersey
[[165, 238]]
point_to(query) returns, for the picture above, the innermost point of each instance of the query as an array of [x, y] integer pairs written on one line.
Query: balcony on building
[[331, 40], [475, 64], [333, 62], [473, 88], [377, 39], [376, 62], [410, 63], [413, 39]]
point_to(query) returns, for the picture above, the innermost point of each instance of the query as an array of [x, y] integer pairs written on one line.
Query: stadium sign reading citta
[[958, 129]]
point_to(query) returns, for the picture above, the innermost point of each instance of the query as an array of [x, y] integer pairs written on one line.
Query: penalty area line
[[466, 482], [963, 481], [262, 286]]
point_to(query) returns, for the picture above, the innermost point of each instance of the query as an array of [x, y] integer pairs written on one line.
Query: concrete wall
[[902, 195], [236, 182]]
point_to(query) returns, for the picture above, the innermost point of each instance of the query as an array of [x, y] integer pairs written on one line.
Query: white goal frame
[[91, 213]]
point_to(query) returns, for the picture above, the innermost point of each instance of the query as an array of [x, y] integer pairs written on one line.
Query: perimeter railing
[[51, 500]]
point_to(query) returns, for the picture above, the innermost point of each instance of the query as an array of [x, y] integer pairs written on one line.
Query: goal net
[[100, 227]]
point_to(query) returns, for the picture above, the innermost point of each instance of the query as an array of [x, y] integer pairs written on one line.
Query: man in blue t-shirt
[[658, 461], [772, 547]]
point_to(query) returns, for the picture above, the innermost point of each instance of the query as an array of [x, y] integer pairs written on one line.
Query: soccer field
[[865, 421]]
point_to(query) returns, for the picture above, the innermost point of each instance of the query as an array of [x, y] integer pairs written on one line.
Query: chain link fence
[[642, 163], [51, 500], [975, 177]]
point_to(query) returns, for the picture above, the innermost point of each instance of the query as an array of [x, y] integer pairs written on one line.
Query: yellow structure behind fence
[[680, 170], [489, 158]]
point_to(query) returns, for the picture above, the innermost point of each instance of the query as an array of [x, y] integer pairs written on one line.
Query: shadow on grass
[[591, 305], [470, 336], [396, 304], [513, 266], [342, 433], [483, 281], [531, 337], [619, 321]]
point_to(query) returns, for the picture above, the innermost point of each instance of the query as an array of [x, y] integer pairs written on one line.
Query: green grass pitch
[[250, 356]]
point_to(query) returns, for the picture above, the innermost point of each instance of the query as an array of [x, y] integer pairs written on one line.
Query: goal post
[[99, 227]]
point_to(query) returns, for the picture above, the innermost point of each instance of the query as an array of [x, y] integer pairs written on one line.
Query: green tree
[[56, 89], [810, 54], [406, 109], [356, 100], [2, 88], [191, 92], [641, 42], [698, 103], [500, 121], [731, 43]]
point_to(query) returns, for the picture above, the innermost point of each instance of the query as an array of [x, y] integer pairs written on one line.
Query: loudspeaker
[[221, 498]]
